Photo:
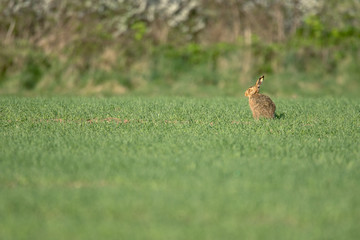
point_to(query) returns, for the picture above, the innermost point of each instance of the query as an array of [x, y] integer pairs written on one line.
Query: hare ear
[[260, 81]]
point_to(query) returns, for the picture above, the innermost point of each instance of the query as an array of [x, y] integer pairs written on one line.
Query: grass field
[[178, 168]]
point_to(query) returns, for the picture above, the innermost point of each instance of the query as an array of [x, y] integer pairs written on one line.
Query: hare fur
[[260, 105]]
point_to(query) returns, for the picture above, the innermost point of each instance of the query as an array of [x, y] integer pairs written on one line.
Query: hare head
[[254, 89]]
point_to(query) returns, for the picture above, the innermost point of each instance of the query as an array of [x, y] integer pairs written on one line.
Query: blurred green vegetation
[[178, 168], [77, 49]]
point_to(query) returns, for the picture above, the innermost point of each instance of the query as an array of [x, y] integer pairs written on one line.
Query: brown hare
[[260, 105]]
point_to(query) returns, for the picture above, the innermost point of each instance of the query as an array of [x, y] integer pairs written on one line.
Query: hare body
[[260, 105]]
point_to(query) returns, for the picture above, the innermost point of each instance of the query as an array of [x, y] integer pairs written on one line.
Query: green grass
[[178, 168]]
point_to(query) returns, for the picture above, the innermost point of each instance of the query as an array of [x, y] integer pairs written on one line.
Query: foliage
[[141, 46]]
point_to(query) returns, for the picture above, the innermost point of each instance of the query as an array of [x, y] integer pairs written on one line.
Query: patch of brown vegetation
[[109, 119]]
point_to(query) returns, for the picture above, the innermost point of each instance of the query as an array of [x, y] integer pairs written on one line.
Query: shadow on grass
[[279, 115]]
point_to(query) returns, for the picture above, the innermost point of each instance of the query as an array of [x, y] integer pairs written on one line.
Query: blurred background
[[179, 47]]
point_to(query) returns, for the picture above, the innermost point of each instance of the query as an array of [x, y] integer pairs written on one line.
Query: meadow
[[178, 168]]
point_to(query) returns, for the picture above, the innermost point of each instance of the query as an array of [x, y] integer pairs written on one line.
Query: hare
[[260, 105]]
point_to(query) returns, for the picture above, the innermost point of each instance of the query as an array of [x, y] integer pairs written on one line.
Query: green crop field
[[178, 168]]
